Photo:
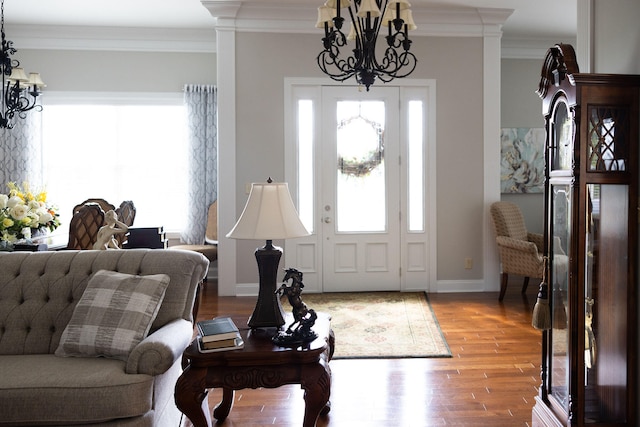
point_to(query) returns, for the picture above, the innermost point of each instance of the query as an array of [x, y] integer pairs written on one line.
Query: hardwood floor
[[491, 380]]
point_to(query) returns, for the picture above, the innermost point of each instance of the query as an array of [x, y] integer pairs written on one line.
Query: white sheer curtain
[[21, 152], [201, 102]]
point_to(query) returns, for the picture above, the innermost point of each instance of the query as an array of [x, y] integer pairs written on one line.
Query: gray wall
[[109, 71], [616, 40], [521, 107]]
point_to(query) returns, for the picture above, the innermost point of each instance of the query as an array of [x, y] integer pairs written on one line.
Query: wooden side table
[[259, 364]]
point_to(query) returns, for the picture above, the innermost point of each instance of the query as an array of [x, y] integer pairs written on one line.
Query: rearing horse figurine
[[303, 317]]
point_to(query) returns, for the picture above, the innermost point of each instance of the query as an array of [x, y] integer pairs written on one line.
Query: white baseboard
[[247, 289], [445, 286]]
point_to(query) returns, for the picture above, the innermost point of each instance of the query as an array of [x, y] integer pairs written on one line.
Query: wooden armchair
[[84, 226], [521, 252]]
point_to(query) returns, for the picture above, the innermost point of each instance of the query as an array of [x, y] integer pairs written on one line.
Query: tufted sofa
[[38, 294]]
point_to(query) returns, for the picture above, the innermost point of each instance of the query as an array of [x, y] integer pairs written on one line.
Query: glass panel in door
[[360, 175]]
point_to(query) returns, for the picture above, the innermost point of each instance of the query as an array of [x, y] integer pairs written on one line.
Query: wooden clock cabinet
[[589, 352]]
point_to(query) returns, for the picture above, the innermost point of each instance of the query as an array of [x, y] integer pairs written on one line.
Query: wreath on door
[[362, 165]]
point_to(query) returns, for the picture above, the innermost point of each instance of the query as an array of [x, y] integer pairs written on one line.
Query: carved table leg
[[190, 396], [221, 411], [317, 389]]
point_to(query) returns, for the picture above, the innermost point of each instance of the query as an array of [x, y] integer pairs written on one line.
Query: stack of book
[[218, 334]]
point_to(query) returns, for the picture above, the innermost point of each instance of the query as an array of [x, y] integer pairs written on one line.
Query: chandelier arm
[[15, 95]]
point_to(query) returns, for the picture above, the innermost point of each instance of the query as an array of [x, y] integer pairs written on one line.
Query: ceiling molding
[[112, 38], [301, 18], [529, 48], [270, 18]]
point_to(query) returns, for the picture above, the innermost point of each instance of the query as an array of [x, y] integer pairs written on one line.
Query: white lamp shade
[[334, 4], [36, 80], [369, 6], [389, 15], [325, 14], [269, 214], [407, 17], [404, 4], [18, 75]]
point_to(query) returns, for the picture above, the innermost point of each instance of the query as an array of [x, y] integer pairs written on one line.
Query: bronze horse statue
[[303, 317]]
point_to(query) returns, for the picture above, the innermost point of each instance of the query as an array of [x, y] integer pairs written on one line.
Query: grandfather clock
[[589, 351]]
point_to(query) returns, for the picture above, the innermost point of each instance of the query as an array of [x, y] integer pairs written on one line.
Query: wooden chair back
[[84, 226], [104, 205], [127, 214]]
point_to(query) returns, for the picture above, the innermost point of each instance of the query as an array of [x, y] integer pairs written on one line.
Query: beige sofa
[[42, 297]]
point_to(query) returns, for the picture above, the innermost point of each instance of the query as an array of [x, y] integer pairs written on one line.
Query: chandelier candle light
[[368, 18], [269, 214], [16, 86]]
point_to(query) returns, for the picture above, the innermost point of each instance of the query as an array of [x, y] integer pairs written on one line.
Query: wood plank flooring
[[491, 380]]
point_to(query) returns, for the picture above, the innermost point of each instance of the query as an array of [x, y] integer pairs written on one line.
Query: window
[[119, 151]]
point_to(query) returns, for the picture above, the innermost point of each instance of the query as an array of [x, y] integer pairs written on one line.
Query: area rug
[[381, 324]]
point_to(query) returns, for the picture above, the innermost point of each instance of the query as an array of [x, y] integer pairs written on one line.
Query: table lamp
[[269, 214]]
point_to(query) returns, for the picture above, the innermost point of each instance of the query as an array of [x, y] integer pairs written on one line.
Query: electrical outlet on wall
[[468, 263]]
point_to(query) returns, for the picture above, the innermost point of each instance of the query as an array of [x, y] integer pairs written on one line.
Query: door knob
[[327, 220]]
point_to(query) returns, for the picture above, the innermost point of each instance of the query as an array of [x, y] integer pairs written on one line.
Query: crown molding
[[301, 18], [270, 18], [112, 38], [529, 48]]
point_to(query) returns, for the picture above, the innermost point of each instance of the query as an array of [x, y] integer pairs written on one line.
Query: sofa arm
[[159, 351]]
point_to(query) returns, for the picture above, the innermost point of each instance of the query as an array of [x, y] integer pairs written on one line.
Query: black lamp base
[[268, 312]]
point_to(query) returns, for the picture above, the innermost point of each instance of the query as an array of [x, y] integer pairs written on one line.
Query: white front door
[[360, 198], [356, 167]]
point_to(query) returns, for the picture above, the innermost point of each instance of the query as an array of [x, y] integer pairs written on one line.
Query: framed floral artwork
[[522, 160]]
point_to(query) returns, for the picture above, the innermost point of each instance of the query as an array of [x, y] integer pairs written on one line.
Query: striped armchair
[[520, 251]]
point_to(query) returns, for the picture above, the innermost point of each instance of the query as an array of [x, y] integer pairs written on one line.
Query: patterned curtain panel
[[201, 102], [21, 153]]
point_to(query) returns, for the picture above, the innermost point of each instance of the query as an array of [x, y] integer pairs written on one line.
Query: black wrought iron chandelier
[[368, 18], [19, 92]]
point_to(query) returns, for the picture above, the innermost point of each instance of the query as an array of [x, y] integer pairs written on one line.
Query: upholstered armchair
[[209, 248], [521, 252]]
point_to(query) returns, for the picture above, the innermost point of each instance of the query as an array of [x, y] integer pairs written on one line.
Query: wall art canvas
[[522, 161]]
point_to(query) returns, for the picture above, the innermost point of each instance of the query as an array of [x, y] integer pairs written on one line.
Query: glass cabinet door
[[606, 265], [559, 292], [561, 152]]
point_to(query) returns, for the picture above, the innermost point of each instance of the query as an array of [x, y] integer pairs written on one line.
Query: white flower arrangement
[[23, 213]]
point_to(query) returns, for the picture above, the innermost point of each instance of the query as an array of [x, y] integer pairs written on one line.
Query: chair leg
[[503, 285], [525, 284]]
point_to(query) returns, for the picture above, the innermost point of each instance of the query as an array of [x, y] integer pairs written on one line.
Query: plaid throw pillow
[[113, 315]]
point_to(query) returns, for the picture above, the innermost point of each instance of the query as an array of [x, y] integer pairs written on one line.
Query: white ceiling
[[531, 18]]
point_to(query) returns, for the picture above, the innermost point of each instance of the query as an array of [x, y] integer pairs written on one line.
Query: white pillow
[[113, 315]]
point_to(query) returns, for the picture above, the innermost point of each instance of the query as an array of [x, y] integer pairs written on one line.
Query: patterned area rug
[[381, 324]]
